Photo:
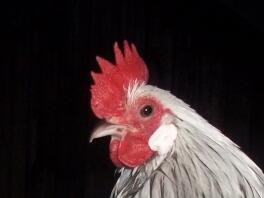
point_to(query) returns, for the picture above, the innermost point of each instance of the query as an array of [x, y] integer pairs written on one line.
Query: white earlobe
[[163, 139]]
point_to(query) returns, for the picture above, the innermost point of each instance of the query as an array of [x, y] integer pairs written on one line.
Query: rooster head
[[121, 97]]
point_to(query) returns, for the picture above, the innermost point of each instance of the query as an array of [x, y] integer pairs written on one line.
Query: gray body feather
[[203, 163]]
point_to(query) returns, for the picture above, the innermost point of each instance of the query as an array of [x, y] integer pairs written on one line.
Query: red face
[[142, 118]]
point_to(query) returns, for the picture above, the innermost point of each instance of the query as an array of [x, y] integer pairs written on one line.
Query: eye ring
[[146, 111]]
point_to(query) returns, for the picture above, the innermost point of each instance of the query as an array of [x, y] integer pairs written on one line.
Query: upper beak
[[105, 129]]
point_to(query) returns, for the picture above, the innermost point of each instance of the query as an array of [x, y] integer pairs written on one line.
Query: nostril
[[119, 130]]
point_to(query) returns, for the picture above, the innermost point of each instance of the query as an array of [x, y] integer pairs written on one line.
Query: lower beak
[[106, 129]]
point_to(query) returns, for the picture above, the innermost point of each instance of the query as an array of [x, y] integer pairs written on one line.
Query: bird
[[163, 148]]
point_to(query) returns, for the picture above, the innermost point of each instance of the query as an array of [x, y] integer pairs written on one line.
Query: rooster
[[161, 146]]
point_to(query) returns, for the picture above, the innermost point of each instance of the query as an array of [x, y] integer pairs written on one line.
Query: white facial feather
[[163, 139]]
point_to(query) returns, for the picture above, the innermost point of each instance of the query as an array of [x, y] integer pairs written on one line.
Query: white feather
[[163, 139]]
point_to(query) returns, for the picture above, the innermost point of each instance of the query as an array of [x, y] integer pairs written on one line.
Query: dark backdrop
[[208, 53]]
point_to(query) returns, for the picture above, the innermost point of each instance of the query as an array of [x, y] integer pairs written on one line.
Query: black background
[[208, 53]]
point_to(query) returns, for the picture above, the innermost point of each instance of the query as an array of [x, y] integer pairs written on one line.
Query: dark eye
[[146, 110]]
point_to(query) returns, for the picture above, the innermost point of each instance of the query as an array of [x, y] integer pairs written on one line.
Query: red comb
[[108, 95]]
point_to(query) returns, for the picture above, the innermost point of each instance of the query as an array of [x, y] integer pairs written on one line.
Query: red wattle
[[134, 150], [113, 148]]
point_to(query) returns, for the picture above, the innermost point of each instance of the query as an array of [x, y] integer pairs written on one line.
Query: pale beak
[[105, 129]]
